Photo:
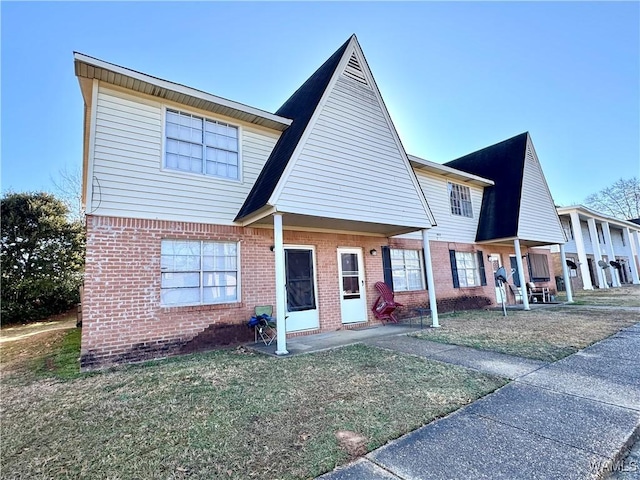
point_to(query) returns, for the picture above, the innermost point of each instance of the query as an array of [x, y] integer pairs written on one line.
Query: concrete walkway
[[572, 419]]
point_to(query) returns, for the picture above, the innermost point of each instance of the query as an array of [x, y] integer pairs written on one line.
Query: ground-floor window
[[538, 268], [407, 271], [467, 269], [198, 272]]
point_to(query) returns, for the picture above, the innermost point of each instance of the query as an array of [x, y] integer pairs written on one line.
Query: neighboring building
[[602, 251], [200, 208]]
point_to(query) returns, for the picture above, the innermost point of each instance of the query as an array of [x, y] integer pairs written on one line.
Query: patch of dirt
[[20, 332], [351, 442]]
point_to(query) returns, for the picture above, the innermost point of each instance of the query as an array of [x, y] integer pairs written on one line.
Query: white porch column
[[565, 274], [426, 248], [615, 274], [597, 254], [281, 300], [523, 282], [635, 237], [580, 250], [633, 266]]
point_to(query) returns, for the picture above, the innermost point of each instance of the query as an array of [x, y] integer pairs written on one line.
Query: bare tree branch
[[620, 200], [67, 187]]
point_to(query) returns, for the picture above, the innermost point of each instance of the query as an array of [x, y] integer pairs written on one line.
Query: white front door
[[302, 291], [496, 263], [353, 304]]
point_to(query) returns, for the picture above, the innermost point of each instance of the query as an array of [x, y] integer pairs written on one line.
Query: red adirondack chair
[[385, 306]]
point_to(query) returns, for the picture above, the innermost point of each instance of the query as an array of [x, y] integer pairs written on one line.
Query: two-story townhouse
[[200, 208], [601, 251]]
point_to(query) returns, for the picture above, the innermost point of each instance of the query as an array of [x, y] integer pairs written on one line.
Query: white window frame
[[567, 227], [600, 233], [463, 279], [573, 272], [204, 119], [460, 200], [201, 271], [401, 266]]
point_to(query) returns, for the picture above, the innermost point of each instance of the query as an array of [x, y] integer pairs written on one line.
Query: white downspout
[[281, 300], [523, 284], [431, 286]]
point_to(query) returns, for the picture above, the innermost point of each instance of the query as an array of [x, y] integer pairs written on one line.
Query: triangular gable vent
[[354, 71]]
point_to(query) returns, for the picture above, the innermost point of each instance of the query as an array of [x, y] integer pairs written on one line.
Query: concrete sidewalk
[[572, 419]]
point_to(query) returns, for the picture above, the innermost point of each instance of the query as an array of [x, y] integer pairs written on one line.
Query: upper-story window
[[568, 229], [199, 145], [600, 233], [460, 199]]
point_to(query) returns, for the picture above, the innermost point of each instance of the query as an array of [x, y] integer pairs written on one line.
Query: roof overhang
[[87, 67], [585, 213], [508, 242], [420, 164], [293, 221]]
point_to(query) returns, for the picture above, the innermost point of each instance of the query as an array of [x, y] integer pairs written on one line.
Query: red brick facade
[[124, 321]]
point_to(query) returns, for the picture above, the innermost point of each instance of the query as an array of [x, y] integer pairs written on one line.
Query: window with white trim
[[467, 266], [460, 199], [407, 270], [198, 145], [467, 269], [568, 229], [197, 272], [600, 233]]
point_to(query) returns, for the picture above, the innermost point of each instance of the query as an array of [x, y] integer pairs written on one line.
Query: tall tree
[[42, 255], [67, 186], [620, 200]]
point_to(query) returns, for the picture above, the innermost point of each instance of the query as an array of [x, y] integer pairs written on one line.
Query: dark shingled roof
[[300, 108], [504, 164], [635, 220]]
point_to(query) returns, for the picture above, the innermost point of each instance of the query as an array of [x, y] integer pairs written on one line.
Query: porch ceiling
[[308, 222], [508, 242]]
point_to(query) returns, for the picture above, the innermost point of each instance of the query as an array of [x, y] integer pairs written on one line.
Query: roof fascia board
[[258, 215], [182, 89], [439, 169], [587, 212]]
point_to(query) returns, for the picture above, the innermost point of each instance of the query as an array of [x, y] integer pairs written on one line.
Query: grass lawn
[[626, 296], [222, 414], [549, 333]]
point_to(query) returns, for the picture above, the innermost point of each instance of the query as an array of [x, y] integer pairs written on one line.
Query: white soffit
[[432, 167], [89, 67]]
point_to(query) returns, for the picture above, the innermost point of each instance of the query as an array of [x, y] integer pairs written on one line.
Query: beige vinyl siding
[[538, 220], [351, 166], [449, 228], [129, 179]]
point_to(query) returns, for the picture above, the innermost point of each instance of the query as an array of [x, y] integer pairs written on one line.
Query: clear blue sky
[[455, 76]]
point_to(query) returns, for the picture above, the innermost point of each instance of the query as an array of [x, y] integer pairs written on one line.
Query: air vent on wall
[[354, 70]]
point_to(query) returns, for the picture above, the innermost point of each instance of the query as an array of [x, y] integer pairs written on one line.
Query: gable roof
[[504, 164], [88, 68], [299, 107]]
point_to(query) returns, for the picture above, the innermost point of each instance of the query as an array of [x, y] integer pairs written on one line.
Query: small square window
[[460, 200]]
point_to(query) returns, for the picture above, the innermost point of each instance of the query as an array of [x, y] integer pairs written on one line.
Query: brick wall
[[122, 317], [123, 320]]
